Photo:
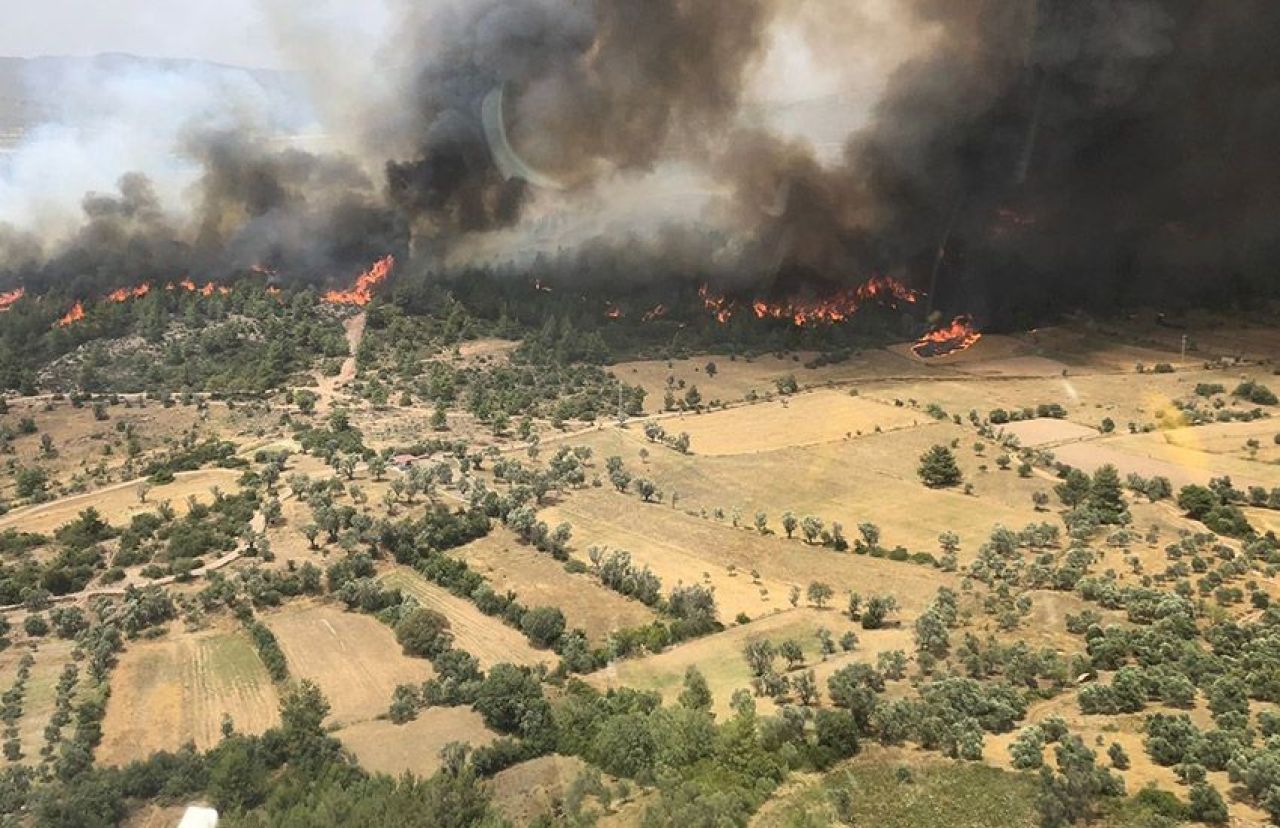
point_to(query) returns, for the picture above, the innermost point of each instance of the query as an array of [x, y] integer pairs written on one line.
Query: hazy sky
[[229, 31]]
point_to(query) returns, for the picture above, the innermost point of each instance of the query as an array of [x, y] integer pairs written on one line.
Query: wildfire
[[657, 312], [208, 289], [828, 311], [9, 298], [613, 312], [361, 293], [124, 294], [540, 287], [960, 335], [72, 316], [720, 307]]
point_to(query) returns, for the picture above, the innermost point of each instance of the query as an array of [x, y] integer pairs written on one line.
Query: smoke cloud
[[1018, 157]]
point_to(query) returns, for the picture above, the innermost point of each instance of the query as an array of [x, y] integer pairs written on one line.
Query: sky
[[226, 31]]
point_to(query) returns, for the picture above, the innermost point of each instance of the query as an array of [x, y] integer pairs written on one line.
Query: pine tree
[[938, 468]]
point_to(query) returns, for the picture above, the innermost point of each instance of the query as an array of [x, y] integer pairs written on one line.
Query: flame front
[[720, 307], [960, 335], [831, 310], [612, 311], [361, 293], [124, 294], [72, 316], [657, 312], [8, 299]]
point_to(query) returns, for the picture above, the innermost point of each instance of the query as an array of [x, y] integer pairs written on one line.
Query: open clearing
[[384, 747], [353, 658], [38, 704], [819, 417], [940, 794], [488, 639], [175, 690], [1176, 458], [681, 548], [119, 503], [868, 479], [541, 581], [1045, 431], [721, 661]]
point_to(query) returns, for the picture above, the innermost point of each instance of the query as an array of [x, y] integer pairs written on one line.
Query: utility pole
[[1184, 347]]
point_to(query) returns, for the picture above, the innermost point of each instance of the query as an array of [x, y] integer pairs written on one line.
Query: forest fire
[[719, 306], [612, 311], [124, 294], [72, 316], [960, 335], [361, 293], [9, 298], [656, 312], [838, 307]]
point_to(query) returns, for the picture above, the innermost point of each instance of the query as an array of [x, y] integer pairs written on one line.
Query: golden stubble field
[[171, 691]]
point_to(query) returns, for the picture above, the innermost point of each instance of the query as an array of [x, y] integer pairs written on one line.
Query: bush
[[1255, 392], [543, 626], [424, 633]]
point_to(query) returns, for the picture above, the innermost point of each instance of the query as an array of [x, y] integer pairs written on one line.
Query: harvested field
[[541, 581], [384, 747], [720, 658], [869, 479], [736, 378], [1046, 431], [353, 658], [488, 639], [118, 503], [804, 419], [1155, 454], [681, 548], [176, 690]]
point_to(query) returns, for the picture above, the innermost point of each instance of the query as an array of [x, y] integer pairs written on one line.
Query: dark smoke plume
[[594, 87], [1063, 151], [1037, 154]]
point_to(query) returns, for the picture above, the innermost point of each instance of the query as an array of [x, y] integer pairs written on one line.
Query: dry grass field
[[818, 417], [167, 692], [722, 663], [868, 479], [384, 747], [541, 581], [488, 639], [353, 658], [119, 502]]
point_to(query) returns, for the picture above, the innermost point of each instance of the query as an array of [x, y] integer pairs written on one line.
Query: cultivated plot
[[168, 692]]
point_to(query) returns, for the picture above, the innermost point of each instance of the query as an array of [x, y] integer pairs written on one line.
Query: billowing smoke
[[1045, 153], [1020, 157]]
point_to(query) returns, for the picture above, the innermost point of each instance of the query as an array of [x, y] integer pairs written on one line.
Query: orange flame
[[72, 316], [613, 312], [836, 308], [361, 293], [657, 312], [960, 335], [720, 307], [124, 294], [7, 300]]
